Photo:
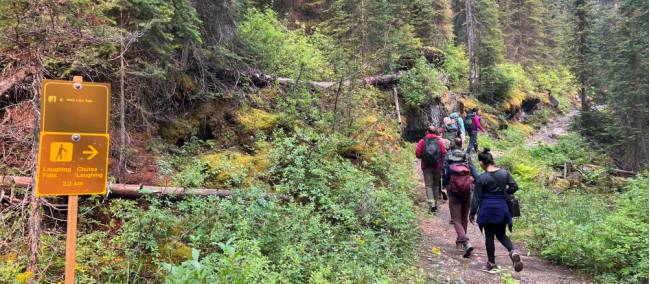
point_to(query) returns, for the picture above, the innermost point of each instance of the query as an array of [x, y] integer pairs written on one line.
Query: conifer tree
[[627, 83], [583, 11], [524, 26]]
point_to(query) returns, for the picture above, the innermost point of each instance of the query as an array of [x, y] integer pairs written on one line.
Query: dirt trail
[[450, 267], [552, 130]]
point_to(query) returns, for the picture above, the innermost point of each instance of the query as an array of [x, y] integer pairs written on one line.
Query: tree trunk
[[471, 44], [121, 163], [35, 211], [399, 115]]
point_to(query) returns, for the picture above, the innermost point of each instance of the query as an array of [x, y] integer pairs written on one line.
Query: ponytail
[[486, 157]]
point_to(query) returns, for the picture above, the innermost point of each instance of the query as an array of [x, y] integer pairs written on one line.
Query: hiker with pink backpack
[[459, 180]]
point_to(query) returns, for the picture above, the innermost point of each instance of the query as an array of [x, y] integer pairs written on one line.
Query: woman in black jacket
[[489, 199]]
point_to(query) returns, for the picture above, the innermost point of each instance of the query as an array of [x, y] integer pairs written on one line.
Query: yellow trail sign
[[73, 152], [72, 168], [81, 109]]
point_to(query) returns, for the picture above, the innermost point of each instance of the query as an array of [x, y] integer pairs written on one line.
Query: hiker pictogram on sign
[[61, 152]]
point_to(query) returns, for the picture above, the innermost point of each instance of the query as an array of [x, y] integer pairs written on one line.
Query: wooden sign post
[[73, 149]]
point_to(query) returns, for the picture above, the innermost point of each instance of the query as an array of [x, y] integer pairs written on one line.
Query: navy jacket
[[489, 198]]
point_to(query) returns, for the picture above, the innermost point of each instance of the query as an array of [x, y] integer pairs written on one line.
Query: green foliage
[[242, 263], [572, 147], [500, 82], [490, 46], [166, 25], [377, 33], [281, 51], [620, 52], [556, 81], [420, 84], [456, 66]]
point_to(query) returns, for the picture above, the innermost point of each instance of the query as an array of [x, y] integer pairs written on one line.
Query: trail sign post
[[73, 148]]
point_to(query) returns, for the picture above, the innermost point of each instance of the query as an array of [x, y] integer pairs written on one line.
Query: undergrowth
[[590, 220]]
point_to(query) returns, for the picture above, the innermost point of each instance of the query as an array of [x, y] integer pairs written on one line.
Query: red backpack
[[461, 180]]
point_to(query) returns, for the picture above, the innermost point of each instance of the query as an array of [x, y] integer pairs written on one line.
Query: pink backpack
[[461, 180]]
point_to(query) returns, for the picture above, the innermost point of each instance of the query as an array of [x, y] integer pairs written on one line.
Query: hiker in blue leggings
[[489, 199]]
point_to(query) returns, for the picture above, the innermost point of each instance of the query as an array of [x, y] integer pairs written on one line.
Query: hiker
[[431, 151], [473, 125], [459, 180], [489, 199], [450, 131], [456, 116]]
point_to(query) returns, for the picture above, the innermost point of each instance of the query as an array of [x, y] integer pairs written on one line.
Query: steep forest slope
[[303, 113]]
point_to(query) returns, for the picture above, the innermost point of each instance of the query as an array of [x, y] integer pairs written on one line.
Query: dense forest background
[[164, 56], [315, 101]]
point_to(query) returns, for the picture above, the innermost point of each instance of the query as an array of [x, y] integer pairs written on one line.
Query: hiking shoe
[[433, 209], [516, 260], [444, 195], [468, 249], [490, 266]]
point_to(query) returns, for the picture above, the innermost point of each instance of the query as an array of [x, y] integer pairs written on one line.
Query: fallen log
[[613, 171], [17, 77], [133, 191], [260, 79]]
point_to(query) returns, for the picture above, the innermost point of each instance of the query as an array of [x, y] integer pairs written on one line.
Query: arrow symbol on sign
[[93, 152]]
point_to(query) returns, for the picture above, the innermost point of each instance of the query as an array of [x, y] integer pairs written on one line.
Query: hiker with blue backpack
[[493, 192], [450, 131], [459, 181], [431, 152], [457, 118], [473, 125]]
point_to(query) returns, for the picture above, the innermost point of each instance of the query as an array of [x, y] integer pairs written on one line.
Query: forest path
[[448, 266], [556, 127]]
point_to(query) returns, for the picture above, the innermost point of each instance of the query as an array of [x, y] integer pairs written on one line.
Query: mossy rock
[[175, 252], [561, 183], [232, 168], [253, 119], [434, 56], [228, 167], [179, 130], [516, 97]]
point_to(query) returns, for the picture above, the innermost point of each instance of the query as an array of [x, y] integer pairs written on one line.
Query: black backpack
[[451, 132], [431, 154], [469, 122]]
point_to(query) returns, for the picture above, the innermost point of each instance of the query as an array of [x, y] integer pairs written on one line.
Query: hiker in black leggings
[[489, 199], [500, 231]]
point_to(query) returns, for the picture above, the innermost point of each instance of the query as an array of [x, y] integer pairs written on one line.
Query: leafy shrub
[[344, 223], [420, 84], [279, 50], [241, 263], [558, 81], [456, 66], [501, 82]]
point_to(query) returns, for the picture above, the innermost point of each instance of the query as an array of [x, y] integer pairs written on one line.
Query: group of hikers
[[474, 198]]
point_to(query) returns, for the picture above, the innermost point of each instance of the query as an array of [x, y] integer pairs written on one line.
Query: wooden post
[[71, 239], [399, 115]]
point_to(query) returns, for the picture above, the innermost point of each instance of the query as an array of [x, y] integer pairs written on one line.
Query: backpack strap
[[502, 185]]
